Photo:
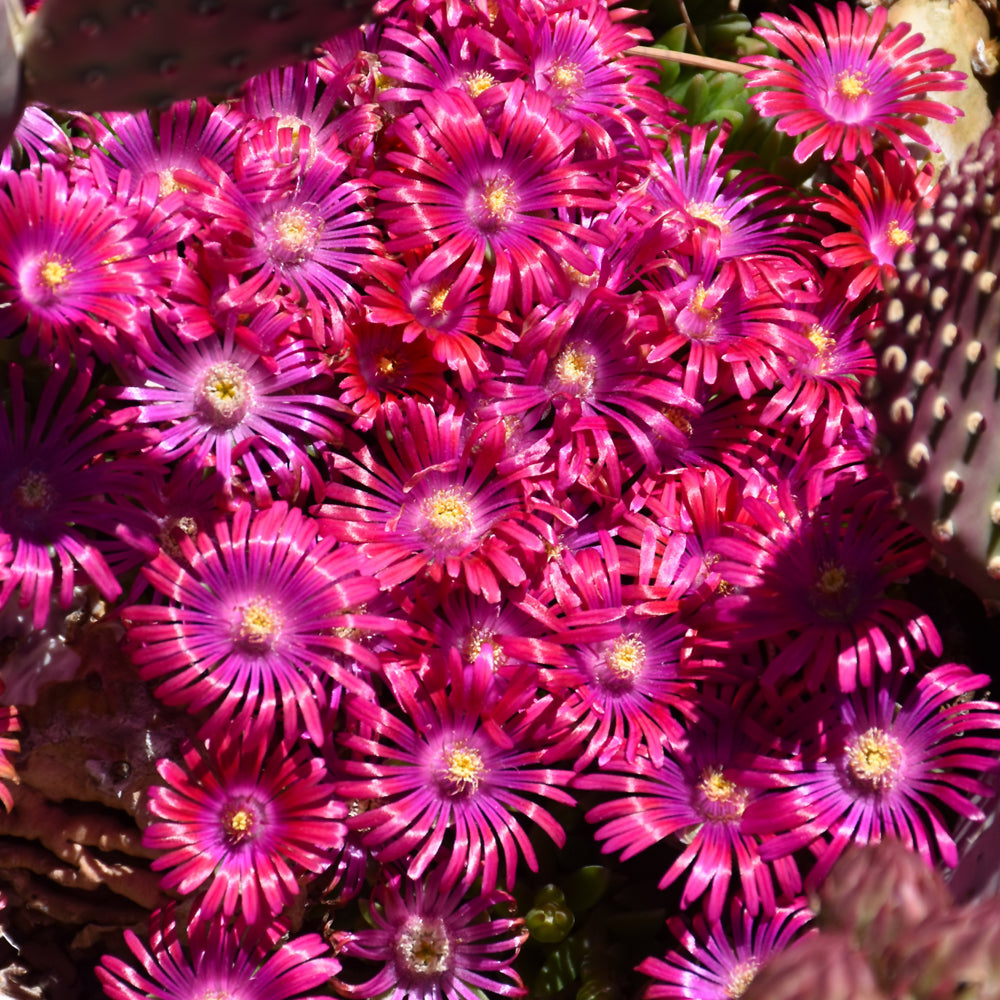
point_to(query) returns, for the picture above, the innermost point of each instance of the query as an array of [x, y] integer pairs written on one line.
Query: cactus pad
[[103, 55], [937, 393]]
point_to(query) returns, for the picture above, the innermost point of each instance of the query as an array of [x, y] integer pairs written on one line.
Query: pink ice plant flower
[[452, 778], [67, 473], [220, 404], [243, 819], [435, 945], [255, 622], [842, 84], [486, 193], [77, 264], [720, 959], [427, 498], [817, 582], [215, 962], [890, 764], [696, 795]]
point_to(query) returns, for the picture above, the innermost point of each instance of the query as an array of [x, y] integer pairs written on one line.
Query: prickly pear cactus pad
[[102, 55], [938, 379]]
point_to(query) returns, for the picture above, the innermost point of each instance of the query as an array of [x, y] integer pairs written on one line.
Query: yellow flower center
[[463, 768], [679, 419], [498, 199], [225, 393], [576, 370], [238, 822], [740, 977], [566, 75], [296, 234], [728, 799], [448, 510], [707, 212], [626, 657], [476, 640], [435, 302], [53, 271], [832, 579], [874, 759], [698, 307], [423, 947], [476, 83], [852, 85], [820, 338], [387, 364], [897, 237], [259, 625]]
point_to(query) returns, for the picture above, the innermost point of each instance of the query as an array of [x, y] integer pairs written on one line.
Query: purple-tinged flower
[[890, 766], [453, 778], [847, 85], [728, 331], [217, 403], [719, 963], [434, 946], [256, 620], [216, 963], [449, 310], [697, 797], [292, 226], [170, 144], [67, 474], [243, 819], [623, 675], [379, 366], [736, 218], [817, 582], [878, 213], [824, 391], [293, 95], [487, 195], [579, 57], [429, 499], [590, 366], [416, 61], [38, 139], [76, 265]]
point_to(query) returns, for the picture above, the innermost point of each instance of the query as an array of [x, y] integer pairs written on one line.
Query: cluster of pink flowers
[[459, 442]]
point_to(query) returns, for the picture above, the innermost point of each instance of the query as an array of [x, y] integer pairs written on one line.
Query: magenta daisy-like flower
[[216, 963], [67, 474], [719, 963], [434, 946], [845, 84], [293, 226], [892, 766], [169, 143], [623, 671], [488, 194], [454, 776], [877, 213], [256, 618], [696, 796], [75, 264], [217, 403], [818, 585], [428, 498], [243, 820]]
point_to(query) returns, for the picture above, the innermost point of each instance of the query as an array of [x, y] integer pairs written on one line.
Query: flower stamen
[[874, 759]]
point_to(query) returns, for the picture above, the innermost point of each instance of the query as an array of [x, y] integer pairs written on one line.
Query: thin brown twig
[[690, 59], [692, 34]]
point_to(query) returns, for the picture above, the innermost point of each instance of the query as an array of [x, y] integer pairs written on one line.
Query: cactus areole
[[120, 55]]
